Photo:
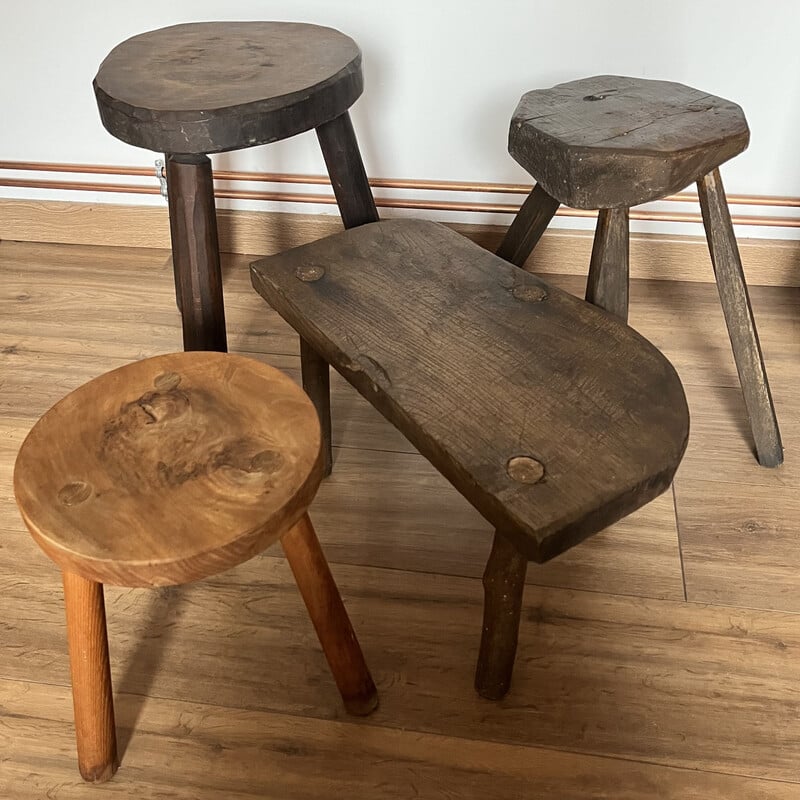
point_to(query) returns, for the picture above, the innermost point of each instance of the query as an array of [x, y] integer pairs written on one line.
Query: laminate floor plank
[[651, 681], [247, 754], [622, 688]]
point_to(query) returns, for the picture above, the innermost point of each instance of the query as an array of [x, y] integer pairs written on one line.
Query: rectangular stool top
[[549, 415]]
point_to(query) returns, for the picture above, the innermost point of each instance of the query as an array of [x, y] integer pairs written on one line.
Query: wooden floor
[[661, 659]]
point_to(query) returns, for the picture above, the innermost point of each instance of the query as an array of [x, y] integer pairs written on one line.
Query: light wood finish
[[609, 272], [230, 443], [330, 619], [225, 757], [769, 262], [90, 672], [165, 471], [739, 318], [737, 542], [221, 689]]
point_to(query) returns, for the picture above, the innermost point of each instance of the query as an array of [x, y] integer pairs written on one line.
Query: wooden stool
[[166, 471], [190, 90], [549, 415], [610, 143]]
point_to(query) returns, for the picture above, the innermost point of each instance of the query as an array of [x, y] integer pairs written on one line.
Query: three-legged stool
[[194, 89], [613, 142], [166, 471]]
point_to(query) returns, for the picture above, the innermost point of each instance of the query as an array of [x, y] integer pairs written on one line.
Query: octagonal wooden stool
[[194, 89], [166, 471], [612, 142]]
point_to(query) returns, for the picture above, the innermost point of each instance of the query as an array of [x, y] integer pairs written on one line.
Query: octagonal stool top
[[611, 141], [207, 87]]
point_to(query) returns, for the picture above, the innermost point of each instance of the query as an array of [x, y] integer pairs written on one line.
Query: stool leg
[[339, 146], [607, 286], [327, 612], [195, 251], [91, 678], [739, 319], [316, 383], [528, 226], [503, 585]]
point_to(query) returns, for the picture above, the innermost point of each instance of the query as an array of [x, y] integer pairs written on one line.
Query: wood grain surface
[[195, 252], [90, 678], [611, 141], [609, 268], [207, 87], [479, 362], [621, 688], [327, 612], [528, 226], [738, 313], [169, 469]]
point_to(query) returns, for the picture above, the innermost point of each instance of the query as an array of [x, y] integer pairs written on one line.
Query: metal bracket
[[161, 175]]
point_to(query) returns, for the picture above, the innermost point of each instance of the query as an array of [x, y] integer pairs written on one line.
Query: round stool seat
[[169, 469], [208, 87], [611, 141]]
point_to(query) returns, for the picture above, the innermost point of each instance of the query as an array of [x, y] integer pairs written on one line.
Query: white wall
[[443, 76]]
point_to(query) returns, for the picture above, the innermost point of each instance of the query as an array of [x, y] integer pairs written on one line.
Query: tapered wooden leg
[[316, 383], [607, 286], [91, 678], [339, 146], [739, 319], [503, 585], [327, 612], [195, 252], [528, 226]]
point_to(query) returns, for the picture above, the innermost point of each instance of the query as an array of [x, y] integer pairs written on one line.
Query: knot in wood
[[525, 469], [310, 273], [167, 381], [75, 493], [529, 294]]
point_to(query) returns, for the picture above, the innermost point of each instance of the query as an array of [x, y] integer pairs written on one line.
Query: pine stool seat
[[171, 470], [611, 142]]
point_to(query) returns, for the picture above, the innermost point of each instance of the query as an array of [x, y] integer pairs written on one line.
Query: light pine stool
[[167, 471], [612, 142]]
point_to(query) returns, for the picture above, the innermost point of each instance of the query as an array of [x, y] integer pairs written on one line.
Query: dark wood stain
[[426, 326], [214, 86], [610, 141]]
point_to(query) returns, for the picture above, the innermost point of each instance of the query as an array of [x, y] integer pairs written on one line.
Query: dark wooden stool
[[612, 142], [190, 90], [549, 415], [166, 471]]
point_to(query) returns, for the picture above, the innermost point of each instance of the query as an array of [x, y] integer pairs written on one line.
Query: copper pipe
[[389, 202], [378, 183]]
